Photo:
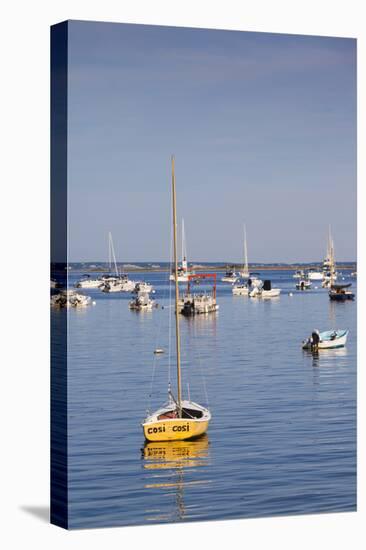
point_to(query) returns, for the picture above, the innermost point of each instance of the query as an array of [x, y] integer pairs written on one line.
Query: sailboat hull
[[174, 430]]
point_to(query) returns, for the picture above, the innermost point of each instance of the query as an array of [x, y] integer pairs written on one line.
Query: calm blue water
[[282, 439]]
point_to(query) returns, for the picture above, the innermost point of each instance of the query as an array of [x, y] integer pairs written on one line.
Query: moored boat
[[198, 303], [303, 284], [329, 339], [314, 275], [229, 277], [70, 298], [240, 289], [338, 293], [141, 286], [87, 282], [120, 281], [142, 302], [265, 291], [183, 269], [244, 274], [179, 418]]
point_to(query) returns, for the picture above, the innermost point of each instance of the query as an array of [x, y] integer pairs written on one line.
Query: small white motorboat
[[230, 277], [142, 302], [303, 284], [87, 282], [70, 298], [240, 290], [329, 339], [315, 275], [265, 291], [118, 284]]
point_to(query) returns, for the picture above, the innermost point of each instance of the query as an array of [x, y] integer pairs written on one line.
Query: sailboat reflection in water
[[168, 462], [179, 418]]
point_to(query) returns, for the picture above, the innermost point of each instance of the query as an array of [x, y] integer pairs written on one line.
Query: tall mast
[[246, 268], [177, 339], [113, 253], [109, 252]]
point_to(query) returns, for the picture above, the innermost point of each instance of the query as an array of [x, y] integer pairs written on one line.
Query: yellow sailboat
[[179, 418]]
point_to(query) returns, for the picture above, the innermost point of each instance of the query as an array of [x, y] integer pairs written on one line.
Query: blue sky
[[263, 128]]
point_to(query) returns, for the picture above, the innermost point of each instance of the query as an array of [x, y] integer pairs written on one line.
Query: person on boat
[[315, 339]]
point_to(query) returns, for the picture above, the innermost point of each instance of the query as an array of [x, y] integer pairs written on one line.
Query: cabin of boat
[[339, 293]]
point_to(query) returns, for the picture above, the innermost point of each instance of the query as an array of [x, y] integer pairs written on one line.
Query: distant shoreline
[[212, 267]]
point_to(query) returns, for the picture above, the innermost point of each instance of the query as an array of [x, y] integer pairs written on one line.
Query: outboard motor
[[188, 309], [267, 285]]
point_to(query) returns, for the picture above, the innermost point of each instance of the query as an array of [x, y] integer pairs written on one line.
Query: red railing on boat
[[202, 276]]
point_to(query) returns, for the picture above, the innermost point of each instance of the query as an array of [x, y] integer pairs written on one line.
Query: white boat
[[179, 418], [329, 265], [141, 286], [88, 282], [244, 274], [299, 274], [183, 270], [230, 277], [315, 275], [265, 291], [118, 282], [240, 290], [303, 284], [329, 339], [198, 303], [70, 298], [142, 302]]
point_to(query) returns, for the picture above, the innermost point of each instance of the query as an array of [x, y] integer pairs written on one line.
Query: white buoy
[[94, 302], [290, 294]]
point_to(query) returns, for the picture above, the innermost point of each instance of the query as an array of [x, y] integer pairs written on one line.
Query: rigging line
[[197, 347], [170, 300], [166, 282]]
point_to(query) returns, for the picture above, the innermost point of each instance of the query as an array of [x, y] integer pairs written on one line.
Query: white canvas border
[[25, 242]]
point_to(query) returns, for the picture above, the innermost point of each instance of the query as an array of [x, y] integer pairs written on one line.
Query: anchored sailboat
[[118, 282], [183, 270], [179, 418], [329, 266], [245, 273]]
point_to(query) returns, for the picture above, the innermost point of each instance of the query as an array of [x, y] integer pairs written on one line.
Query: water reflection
[[168, 463], [327, 357]]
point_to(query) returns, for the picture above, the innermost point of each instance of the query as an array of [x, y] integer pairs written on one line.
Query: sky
[[262, 126]]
